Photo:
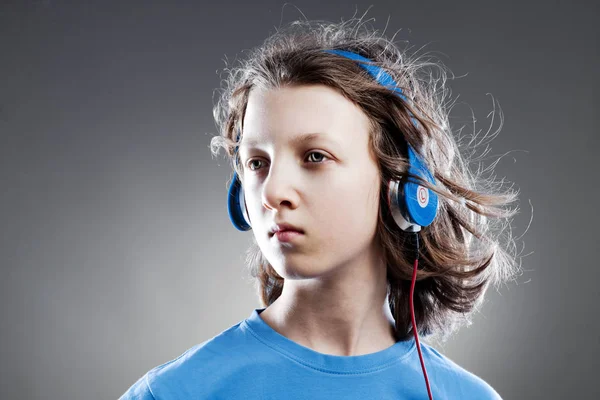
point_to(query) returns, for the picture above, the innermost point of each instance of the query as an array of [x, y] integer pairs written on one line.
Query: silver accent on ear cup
[[403, 223]]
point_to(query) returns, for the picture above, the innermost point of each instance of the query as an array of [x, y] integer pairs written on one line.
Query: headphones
[[412, 205]]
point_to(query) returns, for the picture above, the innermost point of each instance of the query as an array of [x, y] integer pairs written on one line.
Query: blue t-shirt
[[252, 361]]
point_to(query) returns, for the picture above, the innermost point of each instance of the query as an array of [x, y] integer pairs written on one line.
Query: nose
[[280, 187]]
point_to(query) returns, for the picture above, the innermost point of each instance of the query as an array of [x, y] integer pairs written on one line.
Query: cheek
[[255, 208], [348, 213]]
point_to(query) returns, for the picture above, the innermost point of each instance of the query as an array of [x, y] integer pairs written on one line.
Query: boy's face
[[332, 195]]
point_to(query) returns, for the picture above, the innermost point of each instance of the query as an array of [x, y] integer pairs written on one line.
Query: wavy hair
[[465, 249]]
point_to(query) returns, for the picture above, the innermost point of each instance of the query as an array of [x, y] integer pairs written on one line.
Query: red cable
[[414, 324]]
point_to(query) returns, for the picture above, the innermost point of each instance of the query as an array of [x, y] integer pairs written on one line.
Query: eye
[[318, 161], [320, 154], [249, 163]]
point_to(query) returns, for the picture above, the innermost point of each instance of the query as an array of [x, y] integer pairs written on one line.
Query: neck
[[344, 313]]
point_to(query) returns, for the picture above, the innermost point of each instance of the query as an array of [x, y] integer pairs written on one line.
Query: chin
[[288, 269]]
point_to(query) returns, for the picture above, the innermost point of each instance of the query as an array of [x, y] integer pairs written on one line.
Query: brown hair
[[460, 253]]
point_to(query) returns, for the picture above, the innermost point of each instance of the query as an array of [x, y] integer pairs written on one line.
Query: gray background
[[117, 253]]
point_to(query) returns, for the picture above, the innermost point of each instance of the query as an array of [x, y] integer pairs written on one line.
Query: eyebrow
[[297, 140]]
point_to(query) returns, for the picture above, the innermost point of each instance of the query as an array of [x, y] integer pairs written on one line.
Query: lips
[[284, 227], [287, 236]]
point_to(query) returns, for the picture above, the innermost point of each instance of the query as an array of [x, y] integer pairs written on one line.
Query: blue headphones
[[412, 205]]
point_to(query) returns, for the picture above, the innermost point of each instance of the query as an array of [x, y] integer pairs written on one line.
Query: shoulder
[[450, 377], [180, 375], [139, 390]]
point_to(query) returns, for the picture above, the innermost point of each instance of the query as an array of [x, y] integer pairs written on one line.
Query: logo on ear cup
[[422, 196]]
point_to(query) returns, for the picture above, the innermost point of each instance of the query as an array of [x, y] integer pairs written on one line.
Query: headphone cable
[[412, 312]]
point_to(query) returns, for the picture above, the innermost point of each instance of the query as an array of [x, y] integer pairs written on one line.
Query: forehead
[[298, 114], [296, 140]]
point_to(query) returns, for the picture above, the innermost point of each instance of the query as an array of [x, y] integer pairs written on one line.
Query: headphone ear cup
[[421, 203], [412, 205], [236, 205]]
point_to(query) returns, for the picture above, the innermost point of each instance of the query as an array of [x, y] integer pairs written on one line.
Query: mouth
[[285, 231], [286, 236], [281, 227]]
